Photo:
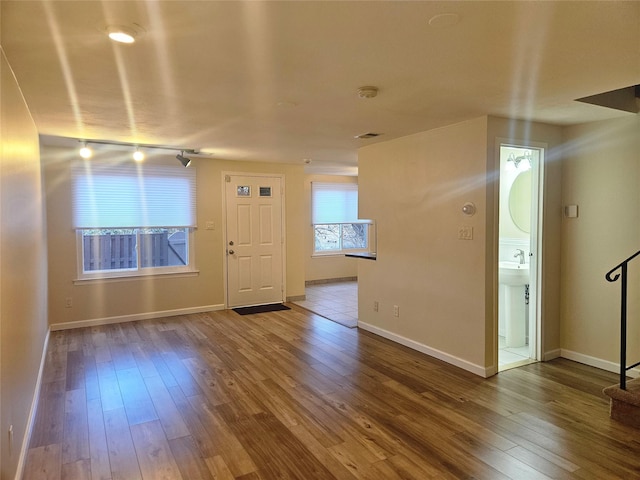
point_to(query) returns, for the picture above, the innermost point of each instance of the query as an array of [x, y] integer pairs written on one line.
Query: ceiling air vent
[[368, 135], [625, 99]]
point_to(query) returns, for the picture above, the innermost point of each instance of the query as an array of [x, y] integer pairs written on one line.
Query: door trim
[[283, 229]]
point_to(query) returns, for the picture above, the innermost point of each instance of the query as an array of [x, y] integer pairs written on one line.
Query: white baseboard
[[551, 354], [597, 362], [32, 412], [440, 355], [135, 317]]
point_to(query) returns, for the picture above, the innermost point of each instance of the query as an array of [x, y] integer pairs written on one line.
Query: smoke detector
[[367, 92]]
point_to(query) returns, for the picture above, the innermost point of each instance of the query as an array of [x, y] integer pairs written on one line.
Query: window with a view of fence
[[126, 217], [118, 251]]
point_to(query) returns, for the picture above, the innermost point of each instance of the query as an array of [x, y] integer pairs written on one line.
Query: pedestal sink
[[513, 277], [512, 273]]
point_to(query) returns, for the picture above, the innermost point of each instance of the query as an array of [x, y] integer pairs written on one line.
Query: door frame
[[536, 238], [283, 228]]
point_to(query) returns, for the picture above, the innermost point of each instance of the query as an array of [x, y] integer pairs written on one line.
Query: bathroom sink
[[513, 273]]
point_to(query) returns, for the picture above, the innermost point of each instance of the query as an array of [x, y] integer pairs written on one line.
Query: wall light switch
[[465, 232], [210, 225], [571, 211]]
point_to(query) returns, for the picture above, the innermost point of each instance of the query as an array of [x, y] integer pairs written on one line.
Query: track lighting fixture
[[85, 152], [183, 160], [138, 154]]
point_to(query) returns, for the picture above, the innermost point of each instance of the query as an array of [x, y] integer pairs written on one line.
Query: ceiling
[[277, 81]]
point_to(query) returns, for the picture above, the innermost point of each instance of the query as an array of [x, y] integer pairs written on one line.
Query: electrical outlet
[[68, 303], [375, 306], [396, 311]]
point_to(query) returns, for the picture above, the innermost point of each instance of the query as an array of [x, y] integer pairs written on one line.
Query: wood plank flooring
[[291, 395]]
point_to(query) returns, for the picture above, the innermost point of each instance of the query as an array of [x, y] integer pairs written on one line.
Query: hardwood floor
[[290, 395]]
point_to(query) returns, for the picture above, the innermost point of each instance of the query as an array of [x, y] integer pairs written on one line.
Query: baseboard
[[296, 298], [330, 280], [432, 352], [32, 412], [551, 354], [135, 317], [597, 362]]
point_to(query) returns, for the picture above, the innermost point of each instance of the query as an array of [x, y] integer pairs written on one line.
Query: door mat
[[274, 307]]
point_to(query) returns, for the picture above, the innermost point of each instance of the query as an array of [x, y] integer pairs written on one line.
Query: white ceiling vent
[[368, 135]]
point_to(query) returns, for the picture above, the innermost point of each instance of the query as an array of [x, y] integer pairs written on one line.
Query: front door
[[254, 240]]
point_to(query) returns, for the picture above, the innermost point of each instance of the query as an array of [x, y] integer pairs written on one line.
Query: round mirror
[[520, 201]]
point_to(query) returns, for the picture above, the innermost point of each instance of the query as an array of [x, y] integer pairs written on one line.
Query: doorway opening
[[519, 255]]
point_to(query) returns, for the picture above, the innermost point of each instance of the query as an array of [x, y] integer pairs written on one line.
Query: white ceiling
[[277, 81]]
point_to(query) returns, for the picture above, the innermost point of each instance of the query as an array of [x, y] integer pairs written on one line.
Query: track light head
[[138, 155], [85, 152], [183, 160]]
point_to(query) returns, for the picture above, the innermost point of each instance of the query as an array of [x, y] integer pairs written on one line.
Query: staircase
[[624, 405], [625, 396]]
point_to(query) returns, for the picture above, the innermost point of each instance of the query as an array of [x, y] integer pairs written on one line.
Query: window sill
[[366, 256], [129, 278], [337, 254]]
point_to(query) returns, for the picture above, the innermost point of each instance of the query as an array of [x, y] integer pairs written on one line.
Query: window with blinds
[[133, 219], [334, 215]]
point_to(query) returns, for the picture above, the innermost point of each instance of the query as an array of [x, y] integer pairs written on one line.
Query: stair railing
[[623, 316]]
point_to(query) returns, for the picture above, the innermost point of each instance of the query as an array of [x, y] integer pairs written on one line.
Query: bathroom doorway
[[519, 255]]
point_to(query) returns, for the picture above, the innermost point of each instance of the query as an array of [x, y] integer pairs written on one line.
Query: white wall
[[23, 268], [601, 174]]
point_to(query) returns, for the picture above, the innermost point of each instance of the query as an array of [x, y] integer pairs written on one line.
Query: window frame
[[139, 271], [342, 251]]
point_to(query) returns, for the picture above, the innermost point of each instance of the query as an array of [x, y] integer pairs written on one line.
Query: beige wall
[[123, 299], [601, 175], [414, 188], [325, 267], [23, 267], [446, 288]]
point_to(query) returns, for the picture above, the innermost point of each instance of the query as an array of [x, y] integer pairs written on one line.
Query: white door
[[254, 240]]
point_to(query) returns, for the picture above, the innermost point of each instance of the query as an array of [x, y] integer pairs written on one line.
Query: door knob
[[231, 252], [231, 243]]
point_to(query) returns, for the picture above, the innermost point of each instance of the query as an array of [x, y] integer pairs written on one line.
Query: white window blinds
[[334, 203], [126, 196]]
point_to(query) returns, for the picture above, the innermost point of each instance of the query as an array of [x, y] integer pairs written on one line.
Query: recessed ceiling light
[[286, 104], [124, 33], [121, 34], [444, 20]]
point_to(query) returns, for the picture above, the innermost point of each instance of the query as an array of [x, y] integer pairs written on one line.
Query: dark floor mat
[[274, 307]]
